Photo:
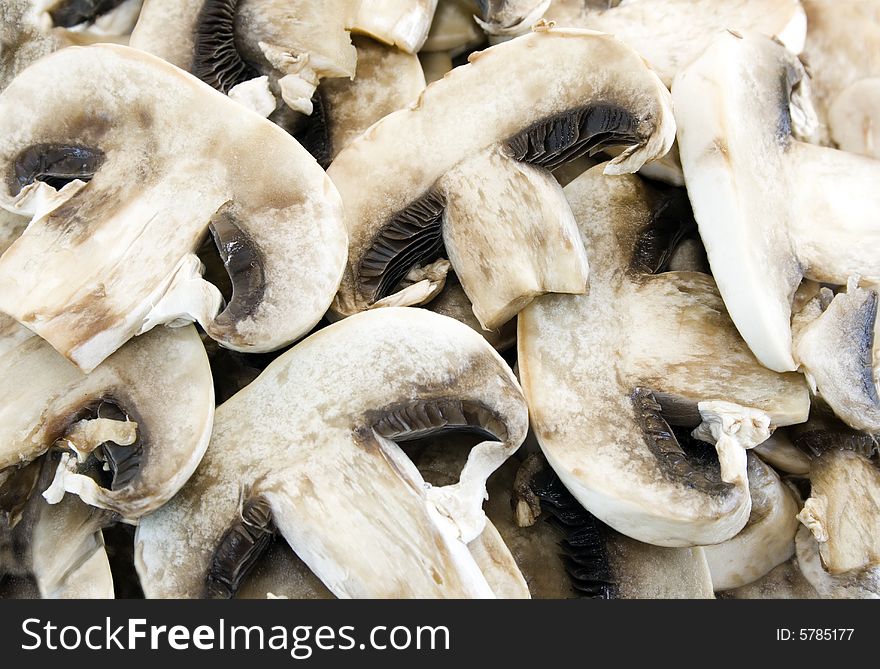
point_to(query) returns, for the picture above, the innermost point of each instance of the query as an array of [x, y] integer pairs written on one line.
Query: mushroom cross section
[[483, 190], [322, 465], [123, 181], [145, 414], [773, 210], [258, 51], [603, 373]]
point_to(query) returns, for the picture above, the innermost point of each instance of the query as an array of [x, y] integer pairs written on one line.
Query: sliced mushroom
[[11, 333], [435, 65], [281, 238], [401, 23], [324, 468], [453, 29], [850, 585], [671, 33], [783, 582], [511, 17], [145, 413], [604, 372], [485, 193], [766, 541], [453, 302], [257, 51], [780, 453], [96, 18], [565, 552], [386, 80], [843, 511], [62, 546], [817, 221], [842, 52]]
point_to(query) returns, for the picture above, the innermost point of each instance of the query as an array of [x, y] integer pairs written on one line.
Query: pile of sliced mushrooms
[[439, 298]]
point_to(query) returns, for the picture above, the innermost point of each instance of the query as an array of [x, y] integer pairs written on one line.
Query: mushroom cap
[[601, 372], [395, 197], [766, 541], [161, 381], [860, 584], [129, 113], [771, 209], [322, 463]]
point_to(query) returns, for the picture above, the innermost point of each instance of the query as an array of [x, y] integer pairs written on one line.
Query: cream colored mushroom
[[386, 80], [281, 237], [783, 582], [842, 53], [145, 414], [258, 51], [604, 372], [401, 23], [485, 193], [323, 465], [741, 107], [766, 541]]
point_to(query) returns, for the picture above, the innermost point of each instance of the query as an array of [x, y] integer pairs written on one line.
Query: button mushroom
[[564, 551], [61, 545], [817, 221], [324, 468], [401, 23], [386, 80], [281, 237], [766, 541], [145, 414], [842, 45], [485, 193], [603, 373], [254, 50]]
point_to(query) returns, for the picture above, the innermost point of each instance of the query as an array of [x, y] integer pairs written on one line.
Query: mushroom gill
[[485, 190], [282, 237], [324, 467], [606, 373]]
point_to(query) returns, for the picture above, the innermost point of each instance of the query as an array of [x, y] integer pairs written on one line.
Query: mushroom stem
[[523, 216], [86, 435], [403, 23], [733, 429]]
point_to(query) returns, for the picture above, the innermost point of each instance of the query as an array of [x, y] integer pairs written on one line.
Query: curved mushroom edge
[[413, 236]]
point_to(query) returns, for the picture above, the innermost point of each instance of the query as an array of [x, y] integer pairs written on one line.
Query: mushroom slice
[[843, 511], [671, 33], [485, 184], [852, 118], [145, 413], [604, 372], [105, 257], [843, 376], [453, 30], [386, 80], [816, 222], [254, 50], [97, 18], [511, 17], [65, 543], [401, 23], [849, 585], [842, 52], [780, 453], [783, 582], [766, 541], [453, 302], [566, 552], [323, 467]]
